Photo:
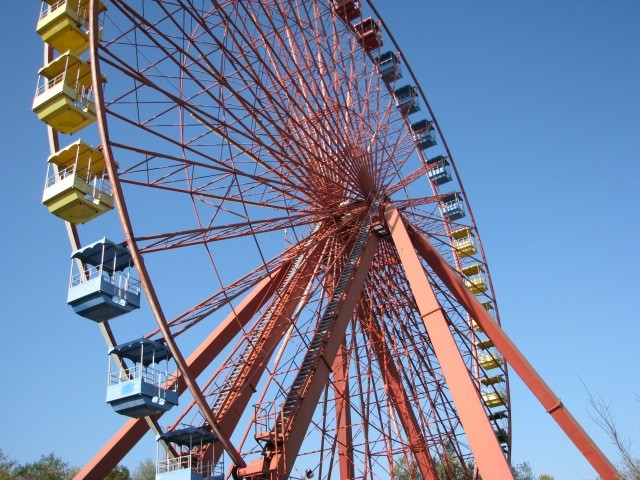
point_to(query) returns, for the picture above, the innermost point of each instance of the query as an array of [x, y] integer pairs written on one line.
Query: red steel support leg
[[343, 414], [282, 460], [130, 434], [482, 440], [256, 363], [514, 357], [399, 398], [299, 423]]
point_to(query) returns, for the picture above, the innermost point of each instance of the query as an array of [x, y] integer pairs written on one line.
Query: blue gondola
[[389, 67], [407, 99], [424, 135], [101, 286], [145, 388], [439, 171], [188, 464], [452, 206]]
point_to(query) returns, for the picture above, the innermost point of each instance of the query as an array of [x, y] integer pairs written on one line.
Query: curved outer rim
[[125, 222], [127, 227]]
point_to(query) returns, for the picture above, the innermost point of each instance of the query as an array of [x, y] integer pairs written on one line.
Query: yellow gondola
[[76, 189], [464, 242], [474, 278], [494, 399], [64, 97], [63, 24], [490, 361]]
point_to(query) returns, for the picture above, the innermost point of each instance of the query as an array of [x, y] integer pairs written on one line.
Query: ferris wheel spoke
[[261, 341], [167, 241], [310, 133], [237, 128], [304, 393], [419, 358], [306, 64]]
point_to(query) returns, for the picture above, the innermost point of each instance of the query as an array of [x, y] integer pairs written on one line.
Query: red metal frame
[[486, 449], [278, 463], [305, 173], [343, 413]]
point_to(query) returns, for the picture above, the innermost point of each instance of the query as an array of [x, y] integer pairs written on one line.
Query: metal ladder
[[312, 356], [257, 332]]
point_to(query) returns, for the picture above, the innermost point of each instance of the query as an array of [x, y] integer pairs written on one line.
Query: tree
[[6, 466], [523, 471], [119, 473], [146, 470], [447, 468], [603, 417], [49, 467]]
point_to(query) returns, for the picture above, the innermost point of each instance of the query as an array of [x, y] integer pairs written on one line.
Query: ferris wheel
[[292, 214]]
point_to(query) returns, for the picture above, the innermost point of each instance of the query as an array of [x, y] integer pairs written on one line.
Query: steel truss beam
[[260, 350], [278, 463], [482, 440], [511, 354]]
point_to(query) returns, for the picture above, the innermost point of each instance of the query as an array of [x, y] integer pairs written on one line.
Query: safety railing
[[121, 281], [97, 183], [45, 84], [47, 9], [185, 462], [148, 375]]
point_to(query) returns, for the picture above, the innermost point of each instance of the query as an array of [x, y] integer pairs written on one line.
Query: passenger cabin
[[101, 286], [190, 446], [499, 415], [424, 136], [76, 187], [389, 67], [63, 24], [488, 306], [464, 242], [452, 207], [493, 380], [439, 171], [475, 278], [146, 387], [407, 100], [64, 95], [484, 344], [501, 435], [494, 399], [490, 360], [347, 10], [369, 34]]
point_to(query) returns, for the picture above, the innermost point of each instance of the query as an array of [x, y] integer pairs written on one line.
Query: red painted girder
[[344, 435], [398, 396], [279, 462], [299, 421], [130, 434], [254, 366], [482, 439], [514, 357]]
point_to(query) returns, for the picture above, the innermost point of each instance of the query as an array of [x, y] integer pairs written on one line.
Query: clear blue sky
[[540, 104]]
